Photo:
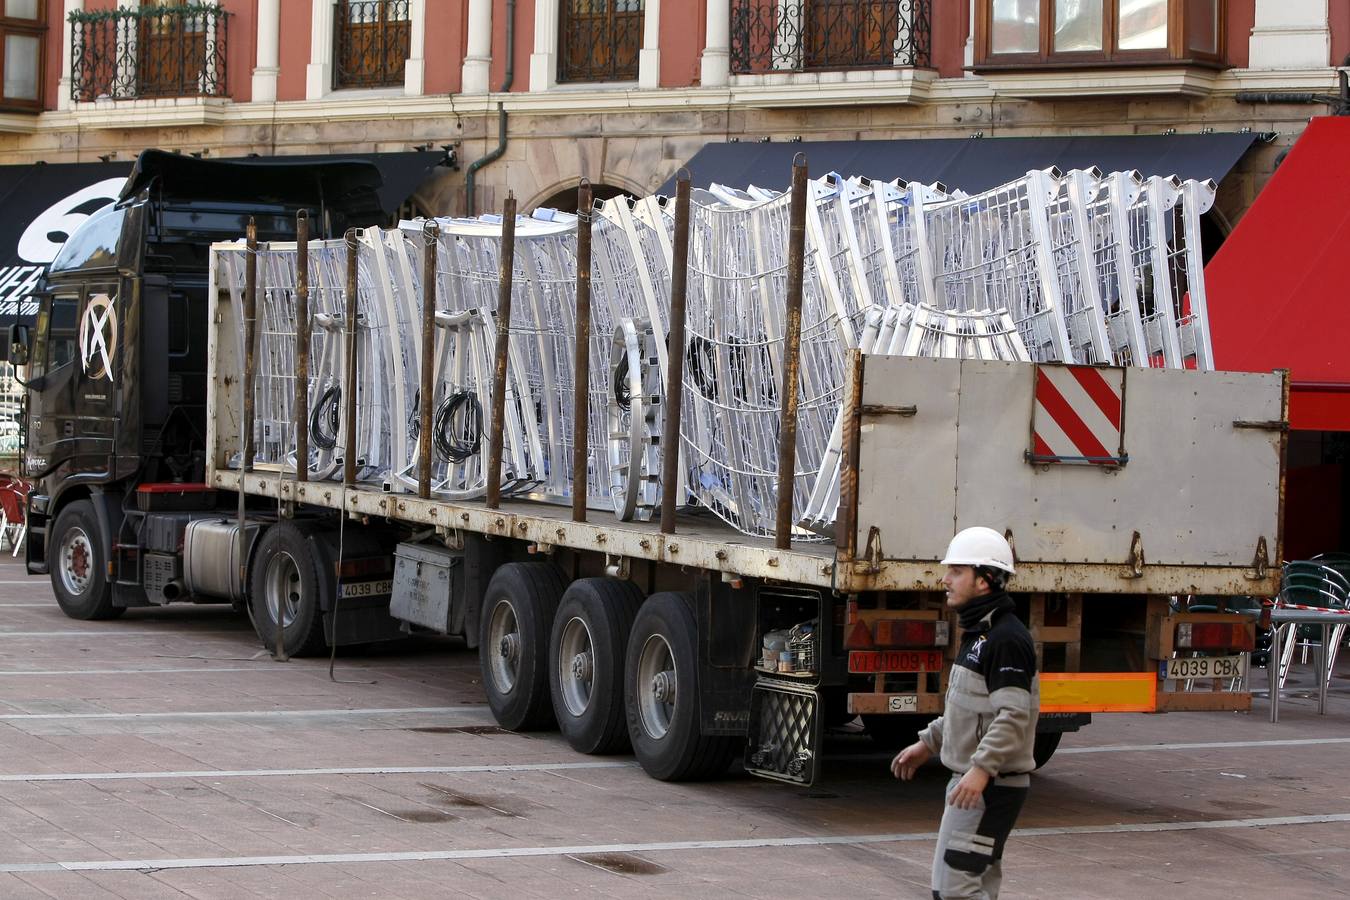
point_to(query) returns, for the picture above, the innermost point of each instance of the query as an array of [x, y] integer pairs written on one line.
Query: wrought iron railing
[[153, 51], [373, 39], [800, 35], [599, 40]]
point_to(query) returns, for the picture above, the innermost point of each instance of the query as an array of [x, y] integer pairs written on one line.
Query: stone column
[[1291, 34], [319, 72], [715, 67], [63, 86], [269, 61], [970, 40], [478, 56], [649, 58], [414, 69], [544, 59]]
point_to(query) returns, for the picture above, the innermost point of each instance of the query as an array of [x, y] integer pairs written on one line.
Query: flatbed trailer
[[695, 644]]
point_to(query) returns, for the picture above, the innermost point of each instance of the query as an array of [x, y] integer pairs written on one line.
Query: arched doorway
[[565, 200]]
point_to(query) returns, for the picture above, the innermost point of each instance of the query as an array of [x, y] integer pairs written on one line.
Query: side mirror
[[18, 345]]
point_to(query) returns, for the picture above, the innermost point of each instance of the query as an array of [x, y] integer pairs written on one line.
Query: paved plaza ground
[[163, 755]]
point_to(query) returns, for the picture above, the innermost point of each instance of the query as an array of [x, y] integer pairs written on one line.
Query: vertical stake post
[[581, 379], [349, 389], [302, 336], [792, 346], [505, 269], [425, 389], [249, 313], [670, 432]]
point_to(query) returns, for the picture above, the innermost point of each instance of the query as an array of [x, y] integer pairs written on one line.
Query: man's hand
[[908, 760], [970, 789]]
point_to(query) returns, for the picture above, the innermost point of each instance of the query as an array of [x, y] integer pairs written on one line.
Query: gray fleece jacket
[[993, 697]]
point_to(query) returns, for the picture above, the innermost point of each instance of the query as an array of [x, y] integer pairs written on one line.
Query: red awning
[[1277, 288]]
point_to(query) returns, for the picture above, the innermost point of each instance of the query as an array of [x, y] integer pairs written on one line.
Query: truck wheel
[[513, 640], [283, 577], [1047, 742], [79, 571], [585, 662], [662, 695]]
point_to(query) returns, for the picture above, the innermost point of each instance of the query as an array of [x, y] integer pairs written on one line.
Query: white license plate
[[1206, 667], [903, 703], [366, 589]]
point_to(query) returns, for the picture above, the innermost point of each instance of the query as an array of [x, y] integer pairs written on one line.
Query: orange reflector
[[1099, 691], [859, 638]]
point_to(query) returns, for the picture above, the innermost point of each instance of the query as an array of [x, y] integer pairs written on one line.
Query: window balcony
[[787, 36], [373, 39], [148, 52]]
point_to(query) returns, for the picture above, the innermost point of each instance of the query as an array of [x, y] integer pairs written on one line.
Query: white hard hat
[[980, 546]]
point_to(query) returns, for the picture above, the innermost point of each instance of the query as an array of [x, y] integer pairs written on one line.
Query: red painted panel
[[1340, 32], [1241, 18], [53, 43], [950, 28], [294, 53], [524, 45], [681, 41], [446, 44], [241, 49], [1276, 286]]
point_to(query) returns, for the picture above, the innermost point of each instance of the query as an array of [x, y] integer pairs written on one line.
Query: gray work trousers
[[969, 856]]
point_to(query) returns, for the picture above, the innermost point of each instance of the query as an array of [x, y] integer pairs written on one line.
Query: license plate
[[366, 589], [868, 662], [902, 703], [1204, 667]]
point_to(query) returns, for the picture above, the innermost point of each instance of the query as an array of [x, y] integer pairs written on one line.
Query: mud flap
[[783, 742]]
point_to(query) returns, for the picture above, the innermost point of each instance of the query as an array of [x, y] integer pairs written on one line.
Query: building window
[[162, 48], [1096, 32], [22, 24], [800, 35], [373, 40], [599, 40]]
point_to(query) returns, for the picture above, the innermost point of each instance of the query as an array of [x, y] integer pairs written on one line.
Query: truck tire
[[586, 663], [513, 640], [661, 695], [284, 575], [79, 571], [1047, 742]]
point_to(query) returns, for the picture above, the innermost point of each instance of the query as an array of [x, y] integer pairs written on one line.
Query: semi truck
[[685, 640]]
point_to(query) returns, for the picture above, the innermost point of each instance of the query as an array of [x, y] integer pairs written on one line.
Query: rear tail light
[[911, 633], [349, 569], [1214, 636], [859, 637]]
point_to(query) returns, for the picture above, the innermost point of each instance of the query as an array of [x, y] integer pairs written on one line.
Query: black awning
[[968, 164], [41, 204]]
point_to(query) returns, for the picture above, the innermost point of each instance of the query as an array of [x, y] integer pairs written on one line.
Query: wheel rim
[[504, 645], [576, 666], [77, 561], [282, 588], [656, 680]]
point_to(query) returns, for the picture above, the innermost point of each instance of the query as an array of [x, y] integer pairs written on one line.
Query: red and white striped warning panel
[[1078, 417]]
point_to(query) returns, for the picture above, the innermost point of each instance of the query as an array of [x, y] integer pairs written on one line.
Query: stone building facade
[[624, 92]]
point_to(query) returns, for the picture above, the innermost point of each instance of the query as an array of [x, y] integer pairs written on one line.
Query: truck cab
[[116, 400]]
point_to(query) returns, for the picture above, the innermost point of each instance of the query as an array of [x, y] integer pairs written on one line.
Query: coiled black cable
[[623, 392], [326, 414], [457, 430]]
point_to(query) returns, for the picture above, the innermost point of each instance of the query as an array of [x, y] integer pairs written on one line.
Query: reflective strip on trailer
[[1099, 692]]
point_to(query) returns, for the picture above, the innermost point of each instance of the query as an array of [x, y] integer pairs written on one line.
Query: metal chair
[[1312, 584]]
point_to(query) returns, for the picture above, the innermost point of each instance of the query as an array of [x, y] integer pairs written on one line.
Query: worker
[[988, 728]]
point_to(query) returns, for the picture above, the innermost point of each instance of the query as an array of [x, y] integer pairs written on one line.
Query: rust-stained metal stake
[[302, 335], [349, 389], [670, 432], [846, 527], [792, 354], [246, 390], [505, 269], [425, 389], [581, 380]]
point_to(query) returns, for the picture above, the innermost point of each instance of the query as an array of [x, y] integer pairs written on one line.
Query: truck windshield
[[94, 244]]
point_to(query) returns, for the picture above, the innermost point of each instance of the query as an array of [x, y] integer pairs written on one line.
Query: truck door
[[74, 413]]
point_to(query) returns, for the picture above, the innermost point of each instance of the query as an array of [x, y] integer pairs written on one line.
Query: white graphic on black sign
[[98, 337]]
